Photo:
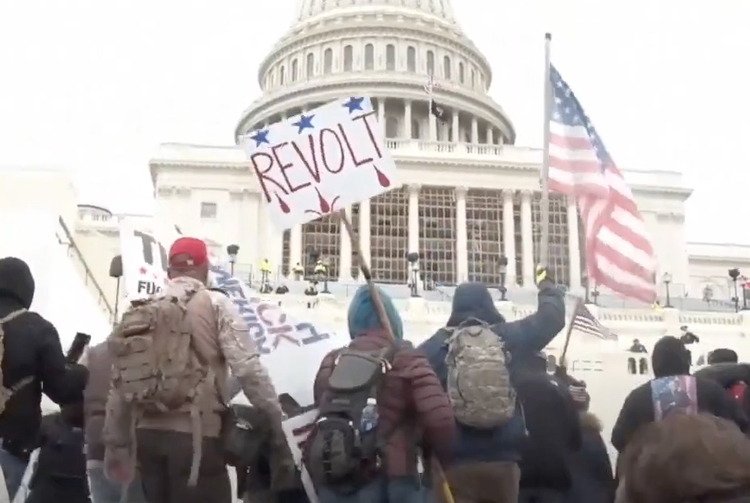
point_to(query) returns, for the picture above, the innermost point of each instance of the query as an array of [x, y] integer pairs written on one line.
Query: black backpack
[[339, 455]]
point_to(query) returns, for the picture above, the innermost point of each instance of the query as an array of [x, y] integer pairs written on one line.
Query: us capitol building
[[470, 199]]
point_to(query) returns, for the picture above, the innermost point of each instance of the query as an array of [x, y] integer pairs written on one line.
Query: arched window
[[348, 58], [369, 57], [391, 127], [430, 63], [282, 70], [390, 57], [328, 61], [473, 79], [415, 129], [447, 67], [411, 59], [461, 72], [310, 66], [294, 71]]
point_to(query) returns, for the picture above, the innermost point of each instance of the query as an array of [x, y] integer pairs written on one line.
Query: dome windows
[[447, 67], [390, 57], [310, 66], [411, 59], [369, 57], [348, 58], [430, 63], [328, 61]]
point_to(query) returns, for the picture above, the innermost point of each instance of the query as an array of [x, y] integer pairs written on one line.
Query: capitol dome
[[470, 199]]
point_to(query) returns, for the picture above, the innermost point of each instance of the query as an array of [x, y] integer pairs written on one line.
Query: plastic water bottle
[[369, 416]]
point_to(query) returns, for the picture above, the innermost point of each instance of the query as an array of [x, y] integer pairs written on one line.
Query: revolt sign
[[320, 162]]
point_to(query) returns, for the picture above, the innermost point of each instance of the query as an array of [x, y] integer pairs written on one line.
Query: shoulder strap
[[12, 316]]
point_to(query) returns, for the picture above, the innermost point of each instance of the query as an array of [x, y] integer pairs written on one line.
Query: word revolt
[[286, 168], [265, 321]]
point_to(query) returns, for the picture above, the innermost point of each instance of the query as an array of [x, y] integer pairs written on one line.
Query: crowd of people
[[472, 415]]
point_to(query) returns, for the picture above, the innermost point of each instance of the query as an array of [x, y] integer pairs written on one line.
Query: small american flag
[[619, 254], [585, 322], [431, 84]]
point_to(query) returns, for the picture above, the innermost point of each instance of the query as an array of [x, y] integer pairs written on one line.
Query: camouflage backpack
[[156, 368], [6, 393], [478, 381]]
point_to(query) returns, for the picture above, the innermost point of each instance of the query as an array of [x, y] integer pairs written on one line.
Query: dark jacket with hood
[[545, 456], [32, 349], [524, 339], [410, 392], [591, 469], [671, 358]]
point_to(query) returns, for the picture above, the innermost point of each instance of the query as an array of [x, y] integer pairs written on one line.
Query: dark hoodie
[[671, 359], [32, 349], [590, 467], [524, 339]]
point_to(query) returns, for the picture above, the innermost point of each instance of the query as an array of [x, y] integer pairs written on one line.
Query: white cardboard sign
[[320, 162]]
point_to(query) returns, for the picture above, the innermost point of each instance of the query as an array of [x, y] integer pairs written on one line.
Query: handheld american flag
[[619, 255], [585, 322]]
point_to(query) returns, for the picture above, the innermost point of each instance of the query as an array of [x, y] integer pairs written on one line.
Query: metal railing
[[89, 279]]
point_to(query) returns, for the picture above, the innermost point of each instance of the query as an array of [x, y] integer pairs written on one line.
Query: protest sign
[[296, 431], [320, 162], [144, 261], [290, 349]]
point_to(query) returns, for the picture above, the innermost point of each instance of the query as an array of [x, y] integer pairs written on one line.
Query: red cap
[[189, 251]]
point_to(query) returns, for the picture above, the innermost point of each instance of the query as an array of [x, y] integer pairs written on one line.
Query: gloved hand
[[542, 274]]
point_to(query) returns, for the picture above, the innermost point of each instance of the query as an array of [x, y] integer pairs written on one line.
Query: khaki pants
[[484, 482], [165, 458]]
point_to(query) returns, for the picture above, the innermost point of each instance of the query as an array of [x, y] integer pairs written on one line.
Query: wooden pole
[[386, 322], [568, 333]]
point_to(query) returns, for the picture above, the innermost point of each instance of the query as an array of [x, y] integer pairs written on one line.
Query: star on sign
[[143, 270], [354, 104], [260, 137], [304, 122]]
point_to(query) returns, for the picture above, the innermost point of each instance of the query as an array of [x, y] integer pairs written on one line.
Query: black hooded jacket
[[32, 349], [671, 358]]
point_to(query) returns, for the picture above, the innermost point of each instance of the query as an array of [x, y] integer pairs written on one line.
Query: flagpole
[[569, 332], [544, 175]]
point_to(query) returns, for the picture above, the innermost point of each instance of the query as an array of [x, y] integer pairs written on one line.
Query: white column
[[345, 252], [574, 251], [509, 236], [364, 232], [490, 135], [381, 114], [407, 120], [295, 248], [474, 131], [462, 254], [455, 131], [413, 218], [527, 234]]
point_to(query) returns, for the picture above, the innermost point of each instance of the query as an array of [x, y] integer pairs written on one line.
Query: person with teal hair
[[408, 399], [363, 315]]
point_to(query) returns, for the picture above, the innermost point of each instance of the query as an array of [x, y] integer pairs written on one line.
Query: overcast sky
[[94, 86]]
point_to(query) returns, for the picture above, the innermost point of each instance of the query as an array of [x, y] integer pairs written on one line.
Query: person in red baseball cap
[[189, 257]]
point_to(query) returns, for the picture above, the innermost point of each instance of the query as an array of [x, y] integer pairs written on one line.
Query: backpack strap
[[26, 380]]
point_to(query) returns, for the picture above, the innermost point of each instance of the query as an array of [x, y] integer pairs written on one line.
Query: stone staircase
[[65, 238]]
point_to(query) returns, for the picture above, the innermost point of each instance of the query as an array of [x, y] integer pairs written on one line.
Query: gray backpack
[[478, 384]]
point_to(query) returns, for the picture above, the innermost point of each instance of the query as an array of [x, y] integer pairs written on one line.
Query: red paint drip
[[324, 206], [383, 180], [282, 204]]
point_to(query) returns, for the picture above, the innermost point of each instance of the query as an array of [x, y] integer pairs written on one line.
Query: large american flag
[[619, 255], [585, 322]]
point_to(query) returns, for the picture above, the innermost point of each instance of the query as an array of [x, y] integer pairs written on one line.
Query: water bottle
[[369, 416]]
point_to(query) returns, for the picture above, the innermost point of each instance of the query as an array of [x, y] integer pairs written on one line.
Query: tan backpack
[[155, 364], [6, 393]]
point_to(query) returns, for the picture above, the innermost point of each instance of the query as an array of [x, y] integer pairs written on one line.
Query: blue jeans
[[393, 490], [104, 490], [13, 470]]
